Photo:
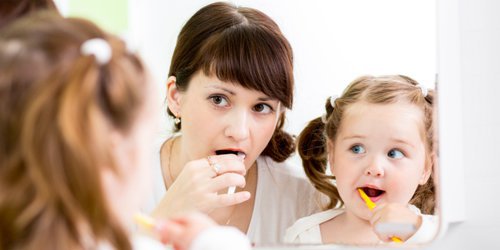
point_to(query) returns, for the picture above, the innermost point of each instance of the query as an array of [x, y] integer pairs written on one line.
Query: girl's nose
[[375, 168]]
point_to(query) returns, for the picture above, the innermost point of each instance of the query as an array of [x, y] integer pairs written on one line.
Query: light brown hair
[[241, 45], [376, 90], [11, 10], [57, 108]]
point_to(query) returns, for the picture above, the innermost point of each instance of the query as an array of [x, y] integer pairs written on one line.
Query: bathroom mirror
[[334, 42]]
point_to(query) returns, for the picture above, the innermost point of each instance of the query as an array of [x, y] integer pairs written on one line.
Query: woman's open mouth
[[229, 151]]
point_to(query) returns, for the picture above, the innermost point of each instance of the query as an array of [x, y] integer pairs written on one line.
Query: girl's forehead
[[368, 119]]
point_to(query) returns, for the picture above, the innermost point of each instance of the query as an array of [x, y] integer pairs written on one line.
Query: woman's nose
[[238, 126]]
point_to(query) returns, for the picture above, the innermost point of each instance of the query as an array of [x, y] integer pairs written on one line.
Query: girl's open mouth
[[373, 193]]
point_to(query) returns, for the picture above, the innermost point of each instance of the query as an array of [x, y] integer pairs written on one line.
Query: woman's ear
[[173, 96], [429, 166]]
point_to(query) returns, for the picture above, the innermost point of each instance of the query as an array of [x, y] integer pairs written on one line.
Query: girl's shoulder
[[306, 229]]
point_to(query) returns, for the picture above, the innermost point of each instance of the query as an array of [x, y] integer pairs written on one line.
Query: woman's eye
[[263, 108], [219, 101], [358, 149], [396, 154]]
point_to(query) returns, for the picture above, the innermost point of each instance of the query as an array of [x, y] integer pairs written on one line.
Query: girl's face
[[219, 115], [381, 149]]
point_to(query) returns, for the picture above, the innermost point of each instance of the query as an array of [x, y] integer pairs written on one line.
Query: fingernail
[[242, 155]]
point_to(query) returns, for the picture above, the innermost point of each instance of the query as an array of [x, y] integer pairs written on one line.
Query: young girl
[[77, 113], [377, 138]]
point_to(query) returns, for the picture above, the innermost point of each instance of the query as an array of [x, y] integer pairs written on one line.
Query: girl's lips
[[373, 193]]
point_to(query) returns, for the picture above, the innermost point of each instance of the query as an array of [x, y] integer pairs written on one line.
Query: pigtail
[[313, 152], [282, 145], [425, 195]]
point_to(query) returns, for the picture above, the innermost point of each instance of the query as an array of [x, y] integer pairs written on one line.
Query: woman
[[230, 82]]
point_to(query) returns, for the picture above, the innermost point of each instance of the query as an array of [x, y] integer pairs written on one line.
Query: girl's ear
[[173, 96], [429, 166], [330, 153]]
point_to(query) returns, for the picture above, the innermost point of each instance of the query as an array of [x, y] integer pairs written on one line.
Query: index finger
[[227, 163]]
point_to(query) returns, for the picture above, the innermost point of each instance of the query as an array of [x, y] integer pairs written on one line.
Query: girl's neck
[[347, 228]]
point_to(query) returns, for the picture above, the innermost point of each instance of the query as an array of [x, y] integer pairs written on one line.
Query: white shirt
[[282, 196], [214, 238], [307, 230]]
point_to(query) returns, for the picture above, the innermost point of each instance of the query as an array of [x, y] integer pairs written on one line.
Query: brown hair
[[57, 107], [11, 10], [384, 89], [241, 45]]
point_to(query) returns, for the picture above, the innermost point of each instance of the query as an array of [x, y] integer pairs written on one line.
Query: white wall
[[333, 42], [479, 58]]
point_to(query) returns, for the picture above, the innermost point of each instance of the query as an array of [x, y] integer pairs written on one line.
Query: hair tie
[[323, 118], [99, 48], [424, 90], [333, 98]]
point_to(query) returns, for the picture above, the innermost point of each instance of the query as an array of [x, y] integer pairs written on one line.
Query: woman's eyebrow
[[221, 88], [267, 98]]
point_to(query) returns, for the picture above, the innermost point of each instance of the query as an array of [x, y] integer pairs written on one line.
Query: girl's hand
[[181, 231], [196, 187], [395, 214]]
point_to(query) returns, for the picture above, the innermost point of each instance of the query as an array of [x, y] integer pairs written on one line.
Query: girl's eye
[[263, 108], [396, 154], [220, 101], [358, 149]]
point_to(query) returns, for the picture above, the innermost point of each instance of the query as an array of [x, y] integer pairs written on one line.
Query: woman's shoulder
[[290, 185], [286, 168], [306, 229]]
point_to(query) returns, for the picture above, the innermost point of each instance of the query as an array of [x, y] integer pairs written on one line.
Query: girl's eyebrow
[[397, 140], [351, 137]]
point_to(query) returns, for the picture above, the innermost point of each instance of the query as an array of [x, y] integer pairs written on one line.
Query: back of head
[[373, 90], [57, 108], [243, 46], [11, 10]]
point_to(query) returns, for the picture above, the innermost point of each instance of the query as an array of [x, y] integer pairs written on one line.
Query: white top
[[307, 230], [214, 238], [282, 196]]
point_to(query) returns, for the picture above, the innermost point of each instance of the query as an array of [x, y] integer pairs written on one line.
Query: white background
[[333, 41]]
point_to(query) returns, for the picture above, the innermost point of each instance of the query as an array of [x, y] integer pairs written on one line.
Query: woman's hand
[[395, 220], [196, 187]]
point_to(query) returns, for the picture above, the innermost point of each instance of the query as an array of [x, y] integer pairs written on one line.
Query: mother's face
[[219, 115]]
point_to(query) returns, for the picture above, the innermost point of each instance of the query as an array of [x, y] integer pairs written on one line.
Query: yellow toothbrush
[[145, 221], [371, 205]]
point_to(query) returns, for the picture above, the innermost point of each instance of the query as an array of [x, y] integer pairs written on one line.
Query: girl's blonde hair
[[57, 108], [376, 90]]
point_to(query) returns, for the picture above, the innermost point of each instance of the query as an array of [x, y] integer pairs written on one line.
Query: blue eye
[[396, 154], [263, 108], [219, 101], [358, 149]]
